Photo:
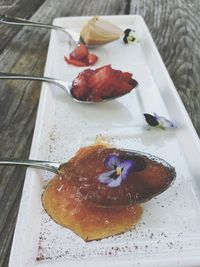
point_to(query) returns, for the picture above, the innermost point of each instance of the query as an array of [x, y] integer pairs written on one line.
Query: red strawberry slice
[[102, 83], [101, 78], [80, 88], [108, 83], [81, 57], [75, 62], [121, 87], [80, 52], [127, 76], [92, 59]]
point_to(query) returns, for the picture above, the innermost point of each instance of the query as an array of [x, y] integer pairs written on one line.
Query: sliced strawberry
[[75, 62], [102, 83], [121, 87], [80, 88], [88, 73], [79, 53], [127, 76], [103, 67], [92, 59], [118, 74], [81, 57], [101, 78]]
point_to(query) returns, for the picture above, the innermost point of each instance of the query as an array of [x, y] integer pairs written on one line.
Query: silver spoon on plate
[[74, 37], [65, 85], [148, 177]]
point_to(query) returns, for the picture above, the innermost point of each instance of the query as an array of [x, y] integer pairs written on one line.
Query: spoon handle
[[72, 36], [14, 76], [45, 165], [23, 22]]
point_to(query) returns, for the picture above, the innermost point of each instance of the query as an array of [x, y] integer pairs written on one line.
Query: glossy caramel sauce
[[150, 177], [65, 205], [79, 201]]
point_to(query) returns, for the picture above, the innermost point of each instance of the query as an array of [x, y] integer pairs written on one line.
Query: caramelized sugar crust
[[79, 201], [82, 170], [66, 206]]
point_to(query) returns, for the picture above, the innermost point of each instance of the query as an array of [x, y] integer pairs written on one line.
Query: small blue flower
[[158, 121], [118, 173]]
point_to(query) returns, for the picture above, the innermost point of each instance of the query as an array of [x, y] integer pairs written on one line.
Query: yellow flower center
[[118, 171]]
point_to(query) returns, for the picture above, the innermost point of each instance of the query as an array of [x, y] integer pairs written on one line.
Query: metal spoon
[[142, 188], [74, 37], [65, 85], [44, 165]]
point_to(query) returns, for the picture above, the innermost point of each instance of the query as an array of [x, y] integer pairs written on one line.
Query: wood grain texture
[[175, 29], [14, 8], [25, 52]]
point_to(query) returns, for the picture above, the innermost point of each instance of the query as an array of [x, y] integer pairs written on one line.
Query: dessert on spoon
[[97, 192], [90, 86], [95, 33]]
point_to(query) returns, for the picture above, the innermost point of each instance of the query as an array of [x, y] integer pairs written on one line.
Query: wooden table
[[175, 27]]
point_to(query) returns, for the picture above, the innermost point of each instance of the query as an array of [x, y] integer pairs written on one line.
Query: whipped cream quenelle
[[99, 31]]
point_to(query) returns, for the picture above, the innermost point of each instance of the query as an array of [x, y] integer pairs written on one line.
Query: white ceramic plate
[[169, 231]]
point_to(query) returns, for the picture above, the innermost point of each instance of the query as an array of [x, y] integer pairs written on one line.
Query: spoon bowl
[[65, 85], [151, 175]]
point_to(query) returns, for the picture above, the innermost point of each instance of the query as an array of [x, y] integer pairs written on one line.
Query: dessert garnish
[[158, 121], [102, 83], [143, 178], [81, 57], [130, 36], [120, 170], [99, 31], [78, 200]]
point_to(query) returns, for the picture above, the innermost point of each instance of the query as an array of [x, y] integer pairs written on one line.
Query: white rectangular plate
[[169, 232]]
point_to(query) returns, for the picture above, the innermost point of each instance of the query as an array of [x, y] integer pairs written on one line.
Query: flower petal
[[139, 164], [151, 120], [120, 170], [158, 121], [115, 182], [130, 36], [163, 122], [105, 177], [112, 161], [127, 166]]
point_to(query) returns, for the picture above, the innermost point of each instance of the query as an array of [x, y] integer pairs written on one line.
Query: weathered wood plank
[[175, 27], [25, 52], [21, 8]]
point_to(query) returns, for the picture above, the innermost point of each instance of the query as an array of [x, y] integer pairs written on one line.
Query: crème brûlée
[[65, 205], [97, 191]]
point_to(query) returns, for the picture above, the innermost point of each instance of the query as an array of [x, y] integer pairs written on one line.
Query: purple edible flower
[[130, 36], [119, 171], [158, 121]]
